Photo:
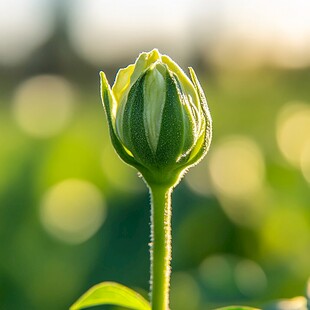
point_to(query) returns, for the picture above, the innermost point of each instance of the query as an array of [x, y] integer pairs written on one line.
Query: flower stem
[[160, 246]]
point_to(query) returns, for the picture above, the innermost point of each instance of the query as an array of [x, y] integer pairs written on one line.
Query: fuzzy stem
[[160, 247]]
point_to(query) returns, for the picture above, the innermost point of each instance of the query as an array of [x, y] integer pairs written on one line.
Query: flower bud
[[158, 118]]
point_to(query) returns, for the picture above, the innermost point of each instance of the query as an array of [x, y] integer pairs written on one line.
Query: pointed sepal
[[109, 104]]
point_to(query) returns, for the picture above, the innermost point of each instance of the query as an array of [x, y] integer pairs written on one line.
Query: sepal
[[109, 103]]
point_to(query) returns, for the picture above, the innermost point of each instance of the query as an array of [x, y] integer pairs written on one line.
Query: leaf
[[111, 293], [237, 308]]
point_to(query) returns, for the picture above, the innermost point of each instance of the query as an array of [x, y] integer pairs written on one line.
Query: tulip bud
[[158, 118]]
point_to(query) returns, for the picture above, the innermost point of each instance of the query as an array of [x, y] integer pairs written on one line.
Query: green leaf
[[237, 308], [110, 293]]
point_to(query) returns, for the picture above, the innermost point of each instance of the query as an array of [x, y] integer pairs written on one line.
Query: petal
[[154, 102], [126, 77], [122, 82], [143, 62], [153, 56], [140, 65]]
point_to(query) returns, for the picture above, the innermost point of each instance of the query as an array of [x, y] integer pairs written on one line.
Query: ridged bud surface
[[158, 118]]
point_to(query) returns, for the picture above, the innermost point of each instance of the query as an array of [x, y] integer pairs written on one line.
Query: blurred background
[[73, 215]]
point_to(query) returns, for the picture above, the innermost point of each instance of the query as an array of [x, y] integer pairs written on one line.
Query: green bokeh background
[[257, 254]]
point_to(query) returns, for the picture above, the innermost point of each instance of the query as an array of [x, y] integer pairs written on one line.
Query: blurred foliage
[[247, 248]]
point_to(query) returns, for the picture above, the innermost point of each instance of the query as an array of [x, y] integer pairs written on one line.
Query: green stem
[[160, 247]]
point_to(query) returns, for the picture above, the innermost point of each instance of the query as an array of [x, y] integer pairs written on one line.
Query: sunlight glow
[[216, 272], [73, 210], [121, 176], [103, 32], [43, 105], [255, 32], [305, 161], [296, 303], [229, 274], [198, 179], [286, 235], [293, 128], [237, 167], [250, 278], [24, 26], [183, 286]]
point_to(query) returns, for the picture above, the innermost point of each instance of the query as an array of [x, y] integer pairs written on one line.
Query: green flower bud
[[158, 118]]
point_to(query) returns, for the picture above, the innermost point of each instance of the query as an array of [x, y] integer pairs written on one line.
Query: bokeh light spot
[[246, 34], [293, 128], [237, 167], [286, 235], [216, 272], [24, 26], [297, 303], [198, 179], [73, 210], [305, 161], [250, 278], [184, 292], [43, 105], [121, 176], [100, 31]]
